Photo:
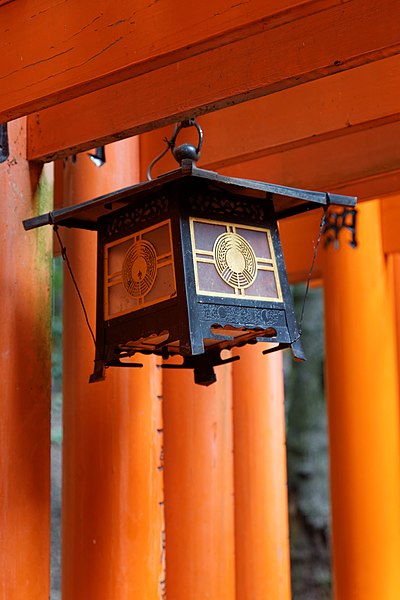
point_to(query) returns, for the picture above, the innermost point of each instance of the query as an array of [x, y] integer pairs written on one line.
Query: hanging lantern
[[191, 264]]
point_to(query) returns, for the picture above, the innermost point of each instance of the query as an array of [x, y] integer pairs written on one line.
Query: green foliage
[[57, 325], [56, 371]]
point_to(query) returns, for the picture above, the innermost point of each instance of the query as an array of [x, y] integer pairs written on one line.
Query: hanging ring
[[185, 151]]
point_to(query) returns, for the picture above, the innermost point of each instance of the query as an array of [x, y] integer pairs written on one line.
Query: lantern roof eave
[[287, 201]]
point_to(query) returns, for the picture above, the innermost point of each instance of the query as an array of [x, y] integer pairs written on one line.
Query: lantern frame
[[182, 198]]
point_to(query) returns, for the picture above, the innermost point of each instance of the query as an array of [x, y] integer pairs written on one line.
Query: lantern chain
[[66, 260]]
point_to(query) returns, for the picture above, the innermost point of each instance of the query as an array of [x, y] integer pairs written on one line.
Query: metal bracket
[[99, 156], [4, 146], [336, 221]]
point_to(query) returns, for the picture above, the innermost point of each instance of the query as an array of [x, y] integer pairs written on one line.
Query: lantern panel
[[234, 261], [208, 280], [139, 271]]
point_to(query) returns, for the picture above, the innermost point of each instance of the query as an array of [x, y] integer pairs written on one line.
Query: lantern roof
[[287, 201]]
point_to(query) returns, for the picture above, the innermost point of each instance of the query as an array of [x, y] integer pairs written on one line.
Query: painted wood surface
[[363, 415], [112, 513], [25, 362], [390, 219], [198, 476], [259, 453], [53, 51], [364, 164], [345, 103], [285, 56]]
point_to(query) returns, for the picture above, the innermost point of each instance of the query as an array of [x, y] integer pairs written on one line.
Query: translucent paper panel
[[139, 270], [116, 255], [258, 240], [234, 260], [164, 285], [119, 301], [209, 280], [160, 238], [206, 234], [264, 285]]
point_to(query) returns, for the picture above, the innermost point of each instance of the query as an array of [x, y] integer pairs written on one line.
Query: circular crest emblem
[[235, 260], [139, 269]]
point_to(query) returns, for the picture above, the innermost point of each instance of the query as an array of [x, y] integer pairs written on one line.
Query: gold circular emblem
[[235, 260], [139, 269]]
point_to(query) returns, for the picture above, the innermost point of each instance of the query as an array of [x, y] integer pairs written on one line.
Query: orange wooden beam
[[363, 415], [284, 56], [320, 110], [58, 51], [365, 164], [25, 366], [112, 447]]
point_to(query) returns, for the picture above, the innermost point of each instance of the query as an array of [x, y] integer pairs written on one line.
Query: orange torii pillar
[[112, 449], [363, 411], [261, 503], [394, 265], [198, 480], [25, 364]]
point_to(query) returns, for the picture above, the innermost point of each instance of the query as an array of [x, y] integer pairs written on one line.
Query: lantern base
[[202, 364]]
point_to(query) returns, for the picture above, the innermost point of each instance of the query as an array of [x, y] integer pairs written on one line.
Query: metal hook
[[99, 156], [186, 150]]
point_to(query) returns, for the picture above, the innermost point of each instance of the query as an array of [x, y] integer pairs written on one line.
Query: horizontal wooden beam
[[354, 33], [344, 103], [364, 164], [53, 51]]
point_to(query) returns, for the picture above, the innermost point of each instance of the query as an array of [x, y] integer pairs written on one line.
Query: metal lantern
[[191, 264]]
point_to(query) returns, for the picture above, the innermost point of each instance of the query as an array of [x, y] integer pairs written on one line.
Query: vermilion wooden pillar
[[112, 480], [261, 504], [25, 270], [198, 487], [394, 266], [363, 416]]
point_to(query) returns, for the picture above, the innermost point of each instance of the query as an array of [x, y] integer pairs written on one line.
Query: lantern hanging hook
[[185, 150]]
